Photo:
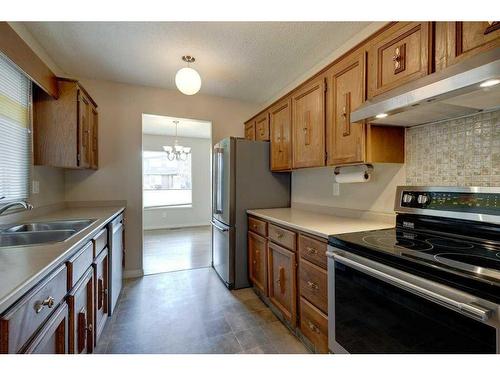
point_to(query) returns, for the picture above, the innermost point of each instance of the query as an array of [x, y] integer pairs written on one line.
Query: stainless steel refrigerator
[[241, 180]]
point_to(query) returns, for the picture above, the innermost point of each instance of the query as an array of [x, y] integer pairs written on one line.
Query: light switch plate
[[336, 189], [36, 187]]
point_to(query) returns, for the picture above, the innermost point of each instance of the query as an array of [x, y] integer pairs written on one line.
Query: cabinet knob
[[311, 250], [279, 235], [313, 327], [40, 305], [312, 286]]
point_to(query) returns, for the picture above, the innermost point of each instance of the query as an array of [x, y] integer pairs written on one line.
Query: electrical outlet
[[36, 187], [336, 189]]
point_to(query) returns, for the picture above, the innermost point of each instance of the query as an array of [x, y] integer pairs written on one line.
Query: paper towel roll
[[346, 175]]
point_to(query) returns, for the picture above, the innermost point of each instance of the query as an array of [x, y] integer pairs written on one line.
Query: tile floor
[[167, 250], [192, 312]]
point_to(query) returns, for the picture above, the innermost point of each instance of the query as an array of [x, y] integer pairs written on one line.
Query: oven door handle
[[469, 309]]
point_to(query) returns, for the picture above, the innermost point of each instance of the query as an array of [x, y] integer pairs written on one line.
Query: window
[[15, 139], [166, 183]]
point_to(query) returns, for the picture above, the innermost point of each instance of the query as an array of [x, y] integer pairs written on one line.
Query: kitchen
[[355, 202]]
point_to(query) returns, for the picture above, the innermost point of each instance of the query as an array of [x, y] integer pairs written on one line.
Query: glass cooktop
[[481, 258]]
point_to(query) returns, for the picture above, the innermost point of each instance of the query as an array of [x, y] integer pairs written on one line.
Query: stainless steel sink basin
[[34, 238], [42, 232], [75, 225]]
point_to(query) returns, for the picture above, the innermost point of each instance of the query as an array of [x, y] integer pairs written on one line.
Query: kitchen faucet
[[24, 204]]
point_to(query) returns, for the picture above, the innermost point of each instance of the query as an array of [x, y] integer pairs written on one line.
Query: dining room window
[[15, 132], [166, 182]]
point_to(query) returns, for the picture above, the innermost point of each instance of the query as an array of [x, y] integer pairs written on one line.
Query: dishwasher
[[116, 260]]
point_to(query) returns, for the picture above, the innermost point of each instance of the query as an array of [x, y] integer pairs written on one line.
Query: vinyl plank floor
[[167, 250], [193, 312]]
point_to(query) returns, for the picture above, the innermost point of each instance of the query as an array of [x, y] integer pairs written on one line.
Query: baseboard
[[132, 274]]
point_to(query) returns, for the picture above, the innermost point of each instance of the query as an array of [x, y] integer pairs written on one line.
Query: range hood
[[450, 93]]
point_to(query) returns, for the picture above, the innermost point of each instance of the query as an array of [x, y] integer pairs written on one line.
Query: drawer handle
[[40, 305], [311, 250], [279, 235], [399, 58], [313, 327], [281, 280], [312, 286]]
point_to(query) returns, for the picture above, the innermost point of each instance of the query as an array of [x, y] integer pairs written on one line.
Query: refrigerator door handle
[[219, 227], [219, 169]]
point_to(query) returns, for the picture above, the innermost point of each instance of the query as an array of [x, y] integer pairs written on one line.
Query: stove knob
[[407, 198], [422, 199]]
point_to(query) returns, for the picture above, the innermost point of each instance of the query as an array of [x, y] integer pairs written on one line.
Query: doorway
[[176, 174]]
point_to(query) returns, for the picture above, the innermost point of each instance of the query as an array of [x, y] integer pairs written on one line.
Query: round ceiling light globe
[[188, 81]]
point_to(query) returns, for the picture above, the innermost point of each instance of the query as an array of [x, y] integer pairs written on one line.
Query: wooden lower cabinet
[[53, 337], [101, 292], [282, 281], [257, 261], [314, 325], [81, 315]]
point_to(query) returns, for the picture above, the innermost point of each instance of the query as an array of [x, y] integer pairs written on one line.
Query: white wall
[[200, 211], [120, 142], [315, 186]]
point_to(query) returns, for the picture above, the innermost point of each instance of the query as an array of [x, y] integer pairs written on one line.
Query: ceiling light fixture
[[381, 115], [177, 151], [490, 82], [187, 80]]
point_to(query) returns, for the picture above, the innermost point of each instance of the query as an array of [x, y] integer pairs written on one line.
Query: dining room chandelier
[[177, 152]]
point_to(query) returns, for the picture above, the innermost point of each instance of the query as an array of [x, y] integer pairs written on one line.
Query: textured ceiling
[[250, 61], [164, 125]]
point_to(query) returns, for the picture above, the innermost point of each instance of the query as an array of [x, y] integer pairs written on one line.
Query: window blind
[[15, 129]]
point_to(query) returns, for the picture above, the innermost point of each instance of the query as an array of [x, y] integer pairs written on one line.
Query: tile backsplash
[[459, 152]]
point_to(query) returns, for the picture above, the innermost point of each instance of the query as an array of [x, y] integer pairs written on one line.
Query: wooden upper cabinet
[[308, 124], [456, 41], [250, 130], [346, 82], [262, 127], [399, 55], [280, 118], [65, 130]]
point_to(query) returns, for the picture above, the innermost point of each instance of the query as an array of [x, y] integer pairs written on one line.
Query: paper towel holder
[[368, 169]]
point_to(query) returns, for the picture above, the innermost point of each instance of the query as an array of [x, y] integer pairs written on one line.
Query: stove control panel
[[456, 201]]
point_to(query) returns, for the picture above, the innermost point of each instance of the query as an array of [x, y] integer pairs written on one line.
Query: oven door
[[380, 309]]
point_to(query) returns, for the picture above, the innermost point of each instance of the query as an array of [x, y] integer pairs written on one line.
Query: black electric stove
[[431, 284]]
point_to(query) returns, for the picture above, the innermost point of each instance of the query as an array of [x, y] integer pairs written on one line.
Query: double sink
[[41, 232]]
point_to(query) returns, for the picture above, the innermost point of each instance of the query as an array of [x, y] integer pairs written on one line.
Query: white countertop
[[23, 267], [318, 224]]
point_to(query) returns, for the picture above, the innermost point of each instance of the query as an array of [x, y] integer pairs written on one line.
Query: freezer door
[[223, 252], [222, 173]]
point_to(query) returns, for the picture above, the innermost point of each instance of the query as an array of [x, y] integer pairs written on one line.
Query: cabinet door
[[399, 55], [466, 39], [53, 336], [81, 315], [94, 134], [308, 109], [101, 293], [257, 253], [250, 130], [262, 127], [282, 281], [346, 82], [84, 148], [280, 118]]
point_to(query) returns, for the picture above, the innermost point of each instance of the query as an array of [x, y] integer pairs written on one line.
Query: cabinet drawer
[[100, 242], [78, 264], [282, 236], [23, 319], [314, 325], [257, 226], [313, 284], [313, 250], [400, 55]]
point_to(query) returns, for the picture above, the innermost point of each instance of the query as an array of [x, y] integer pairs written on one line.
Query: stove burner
[[468, 260], [449, 243], [396, 242]]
